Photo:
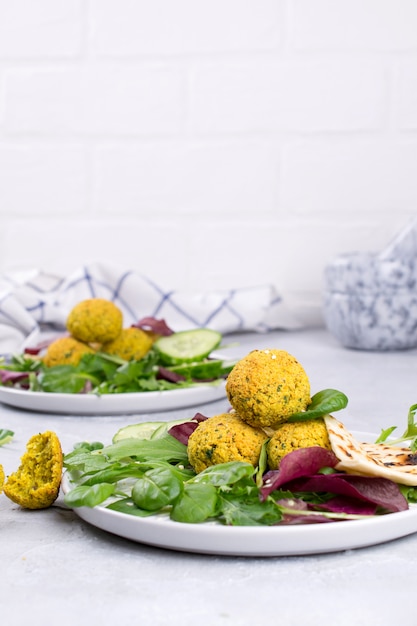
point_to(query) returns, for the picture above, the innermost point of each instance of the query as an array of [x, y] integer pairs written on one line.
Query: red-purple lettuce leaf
[[172, 377], [380, 491], [298, 472], [343, 504], [301, 462], [183, 431], [34, 350], [298, 505], [7, 376], [160, 327]]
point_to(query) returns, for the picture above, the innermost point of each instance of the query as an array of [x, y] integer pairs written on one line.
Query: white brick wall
[[297, 95], [40, 30], [207, 144], [124, 28], [204, 178]]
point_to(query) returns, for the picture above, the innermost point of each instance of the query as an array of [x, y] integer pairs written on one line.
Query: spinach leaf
[[322, 403], [89, 496], [127, 506], [197, 502], [225, 473], [156, 489]]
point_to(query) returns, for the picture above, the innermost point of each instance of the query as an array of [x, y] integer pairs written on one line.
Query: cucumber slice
[[206, 369], [143, 430], [187, 346], [165, 426]]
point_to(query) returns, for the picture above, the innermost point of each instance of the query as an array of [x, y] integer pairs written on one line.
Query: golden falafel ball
[[131, 343], [294, 435], [266, 387], [95, 321], [1, 478], [224, 438], [35, 484], [65, 351]]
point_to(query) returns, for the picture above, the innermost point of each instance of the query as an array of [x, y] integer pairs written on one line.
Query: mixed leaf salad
[[177, 360], [145, 471]]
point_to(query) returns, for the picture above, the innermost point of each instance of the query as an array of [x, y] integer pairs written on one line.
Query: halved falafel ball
[[266, 387], [95, 320], [65, 351], [294, 435], [1, 478], [131, 343], [224, 438], [35, 484]]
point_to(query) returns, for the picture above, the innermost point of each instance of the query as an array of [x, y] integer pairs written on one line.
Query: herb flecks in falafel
[[35, 484], [95, 320], [65, 351], [224, 438], [131, 343], [295, 435]]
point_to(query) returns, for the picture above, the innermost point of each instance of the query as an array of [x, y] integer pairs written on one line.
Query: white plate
[[215, 538], [112, 404]]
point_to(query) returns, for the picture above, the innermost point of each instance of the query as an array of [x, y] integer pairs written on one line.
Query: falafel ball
[[266, 387], [131, 343], [65, 351], [294, 435], [95, 321], [224, 438], [35, 484]]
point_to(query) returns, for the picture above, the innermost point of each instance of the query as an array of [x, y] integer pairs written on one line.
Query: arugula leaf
[[247, 510], [410, 433], [409, 493], [65, 379], [322, 403], [22, 363], [114, 473], [262, 464], [5, 436], [83, 460], [165, 448]]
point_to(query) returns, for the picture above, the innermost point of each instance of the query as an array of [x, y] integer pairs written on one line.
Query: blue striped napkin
[[34, 304]]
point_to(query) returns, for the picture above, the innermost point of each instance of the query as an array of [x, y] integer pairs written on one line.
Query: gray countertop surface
[[56, 568]]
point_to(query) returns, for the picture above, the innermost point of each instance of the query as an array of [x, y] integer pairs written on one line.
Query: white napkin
[[34, 305]]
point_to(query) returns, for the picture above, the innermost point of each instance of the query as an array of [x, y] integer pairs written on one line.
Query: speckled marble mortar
[[370, 300]]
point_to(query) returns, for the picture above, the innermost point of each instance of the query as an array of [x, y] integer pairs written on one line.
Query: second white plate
[[112, 404]]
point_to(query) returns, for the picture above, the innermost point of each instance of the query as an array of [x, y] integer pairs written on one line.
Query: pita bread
[[371, 459]]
